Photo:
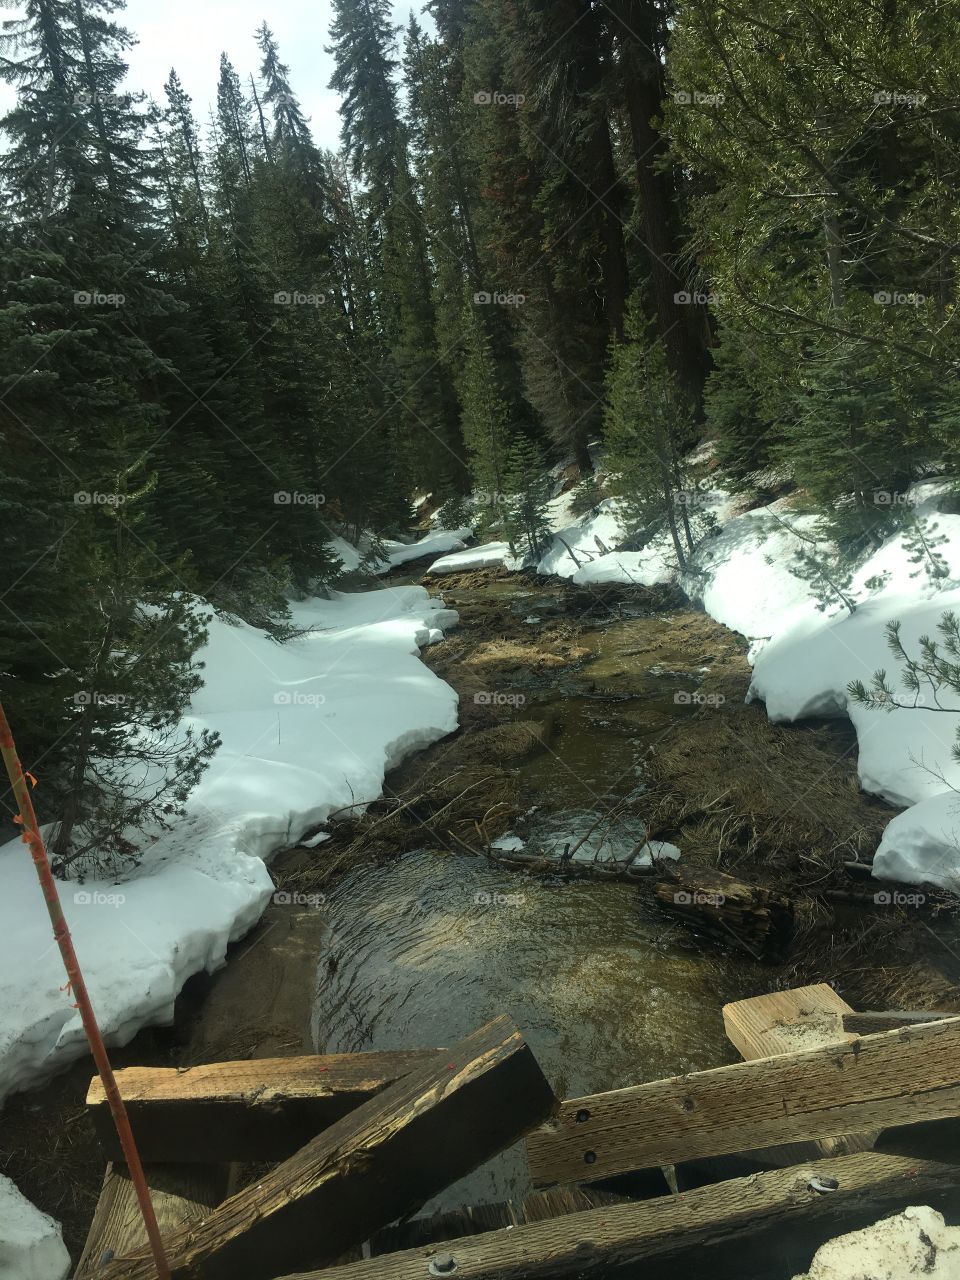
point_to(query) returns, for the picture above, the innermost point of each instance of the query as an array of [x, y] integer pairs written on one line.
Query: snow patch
[[915, 1242], [31, 1247]]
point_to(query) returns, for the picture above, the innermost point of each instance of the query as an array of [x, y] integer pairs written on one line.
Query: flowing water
[[425, 949]]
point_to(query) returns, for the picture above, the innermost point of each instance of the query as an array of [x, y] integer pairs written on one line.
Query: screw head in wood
[[823, 1184]]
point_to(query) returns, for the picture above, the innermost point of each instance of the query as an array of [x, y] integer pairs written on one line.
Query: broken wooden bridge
[[311, 1168]]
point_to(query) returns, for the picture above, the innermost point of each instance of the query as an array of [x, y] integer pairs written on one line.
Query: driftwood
[[255, 1110], [746, 916], [893, 1078], [382, 1161]]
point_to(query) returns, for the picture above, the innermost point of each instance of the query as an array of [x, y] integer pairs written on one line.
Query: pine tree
[[527, 486]]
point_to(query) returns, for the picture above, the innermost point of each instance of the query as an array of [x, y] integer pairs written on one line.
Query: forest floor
[[779, 804]]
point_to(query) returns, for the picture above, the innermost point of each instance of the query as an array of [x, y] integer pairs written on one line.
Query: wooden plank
[[784, 1022], [864, 1024], [895, 1077], [471, 1220], [182, 1195], [259, 1109], [590, 1243], [382, 1161]]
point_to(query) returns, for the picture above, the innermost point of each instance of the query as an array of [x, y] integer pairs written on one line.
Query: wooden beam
[[896, 1077], [590, 1243], [379, 1163], [182, 1195], [864, 1024], [784, 1022], [263, 1109]]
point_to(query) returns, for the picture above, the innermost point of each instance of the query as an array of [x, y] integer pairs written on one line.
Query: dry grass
[[736, 790]]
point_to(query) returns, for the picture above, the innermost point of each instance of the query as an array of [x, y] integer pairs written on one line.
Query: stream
[[424, 950]]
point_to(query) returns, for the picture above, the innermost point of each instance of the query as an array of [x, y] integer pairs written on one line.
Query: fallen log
[[382, 1161], [181, 1195], [895, 1077], [746, 916], [571, 869], [785, 1022], [672, 1228], [262, 1109]]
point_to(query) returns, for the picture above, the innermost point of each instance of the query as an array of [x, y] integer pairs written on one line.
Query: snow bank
[[483, 557], [307, 727], [30, 1243], [434, 543], [916, 1242]]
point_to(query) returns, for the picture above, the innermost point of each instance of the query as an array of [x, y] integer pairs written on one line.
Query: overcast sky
[[191, 34]]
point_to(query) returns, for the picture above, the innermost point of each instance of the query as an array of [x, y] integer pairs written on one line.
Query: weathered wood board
[[895, 1077], [380, 1162], [258, 1109], [784, 1022], [591, 1243], [181, 1194]]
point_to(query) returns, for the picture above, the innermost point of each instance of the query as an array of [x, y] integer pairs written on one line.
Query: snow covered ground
[[806, 656]]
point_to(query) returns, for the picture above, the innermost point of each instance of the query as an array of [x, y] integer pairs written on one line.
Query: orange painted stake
[[34, 842]]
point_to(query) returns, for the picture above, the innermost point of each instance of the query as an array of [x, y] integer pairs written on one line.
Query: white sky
[[191, 34]]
